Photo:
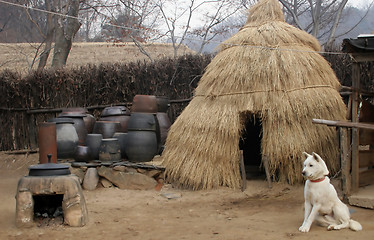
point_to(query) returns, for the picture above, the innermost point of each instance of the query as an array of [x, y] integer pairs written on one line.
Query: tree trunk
[[331, 39], [65, 30], [49, 37]]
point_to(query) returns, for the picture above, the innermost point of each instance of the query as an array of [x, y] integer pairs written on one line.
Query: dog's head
[[314, 167]]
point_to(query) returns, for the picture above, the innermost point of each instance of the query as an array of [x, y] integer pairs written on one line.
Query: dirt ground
[[256, 213]]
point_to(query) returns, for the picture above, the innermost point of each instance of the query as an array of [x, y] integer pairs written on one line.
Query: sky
[[359, 3]]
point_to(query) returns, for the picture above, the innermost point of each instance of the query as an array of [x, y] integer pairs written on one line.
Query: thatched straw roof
[[269, 69]]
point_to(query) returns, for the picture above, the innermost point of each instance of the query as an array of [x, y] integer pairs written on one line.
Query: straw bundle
[[268, 69]]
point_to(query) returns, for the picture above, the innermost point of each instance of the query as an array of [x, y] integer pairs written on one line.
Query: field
[[19, 56], [256, 213]]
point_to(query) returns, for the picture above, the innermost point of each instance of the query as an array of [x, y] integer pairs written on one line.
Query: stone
[[105, 183], [73, 203], [120, 168], [127, 180], [130, 169], [153, 173], [78, 172], [91, 179]]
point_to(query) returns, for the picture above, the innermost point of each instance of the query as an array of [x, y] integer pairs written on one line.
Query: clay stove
[[64, 187]]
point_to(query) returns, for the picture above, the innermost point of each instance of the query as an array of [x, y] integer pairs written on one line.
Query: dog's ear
[[325, 170], [306, 155], [316, 156]]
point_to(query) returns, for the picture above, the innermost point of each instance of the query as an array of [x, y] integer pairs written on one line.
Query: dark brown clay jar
[[144, 103], [47, 142], [107, 128]]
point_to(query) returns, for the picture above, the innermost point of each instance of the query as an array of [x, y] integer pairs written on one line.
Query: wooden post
[[345, 161], [242, 171], [355, 132]]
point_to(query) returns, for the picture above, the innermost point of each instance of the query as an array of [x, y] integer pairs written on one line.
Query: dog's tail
[[354, 225]]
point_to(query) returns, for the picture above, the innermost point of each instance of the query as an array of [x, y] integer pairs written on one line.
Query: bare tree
[[320, 18], [66, 26]]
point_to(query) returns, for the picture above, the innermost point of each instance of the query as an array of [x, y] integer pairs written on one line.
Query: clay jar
[[107, 128], [89, 119], [79, 124], [109, 150], [122, 140], [82, 154], [144, 104], [163, 103], [141, 143], [164, 124], [66, 137], [93, 142], [117, 114]]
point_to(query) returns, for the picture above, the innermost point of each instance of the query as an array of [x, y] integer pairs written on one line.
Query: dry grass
[[19, 56], [285, 89]]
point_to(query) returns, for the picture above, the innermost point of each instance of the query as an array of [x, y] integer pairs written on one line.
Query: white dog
[[321, 200]]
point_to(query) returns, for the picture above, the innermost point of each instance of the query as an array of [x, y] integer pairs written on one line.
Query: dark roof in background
[[361, 44]]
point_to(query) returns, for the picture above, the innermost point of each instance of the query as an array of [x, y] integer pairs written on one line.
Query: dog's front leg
[[310, 218], [307, 210]]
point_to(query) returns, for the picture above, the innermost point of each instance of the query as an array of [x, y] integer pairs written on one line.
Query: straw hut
[[270, 80]]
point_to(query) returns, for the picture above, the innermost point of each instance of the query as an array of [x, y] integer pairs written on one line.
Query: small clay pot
[[82, 154], [110, 150]]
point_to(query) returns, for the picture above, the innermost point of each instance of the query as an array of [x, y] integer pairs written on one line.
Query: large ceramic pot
[[109, 150], [142, 121], [141, 145], [144, 103], [47, 142], [93, 142], [107, 128], [79, 124], [89, 119], [66, 137]]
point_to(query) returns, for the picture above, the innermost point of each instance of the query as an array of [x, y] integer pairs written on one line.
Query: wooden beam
[[355, 132], [344, 124], [345, 161]]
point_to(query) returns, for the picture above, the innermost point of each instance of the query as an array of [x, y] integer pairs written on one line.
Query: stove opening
[[48, 209]]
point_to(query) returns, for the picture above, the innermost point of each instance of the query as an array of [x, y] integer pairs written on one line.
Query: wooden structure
[[356, 143]]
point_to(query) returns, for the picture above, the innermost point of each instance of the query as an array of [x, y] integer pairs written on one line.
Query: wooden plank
[[355, 132], [366, 158], [344, 124], [345, 161], [367, 178]]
